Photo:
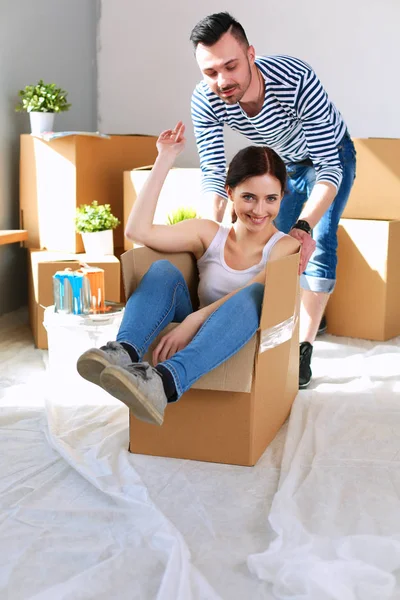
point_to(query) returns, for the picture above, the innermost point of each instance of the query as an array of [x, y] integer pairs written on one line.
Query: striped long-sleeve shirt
[[297, 120]]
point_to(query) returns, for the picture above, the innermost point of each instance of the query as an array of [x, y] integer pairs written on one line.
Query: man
[[277, 101]]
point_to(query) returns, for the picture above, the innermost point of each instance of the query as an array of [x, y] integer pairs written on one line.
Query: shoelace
[[142, 370], [113, 346]]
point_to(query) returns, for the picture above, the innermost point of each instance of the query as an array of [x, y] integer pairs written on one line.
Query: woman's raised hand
[[172, 141]]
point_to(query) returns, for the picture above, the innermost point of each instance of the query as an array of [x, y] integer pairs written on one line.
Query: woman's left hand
[[177, 339]]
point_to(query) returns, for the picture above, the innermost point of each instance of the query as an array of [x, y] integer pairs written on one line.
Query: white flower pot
[[99, 243], [41, 121]]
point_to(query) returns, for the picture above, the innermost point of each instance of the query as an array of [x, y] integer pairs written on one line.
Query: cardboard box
[[41, 268], [58, 176], [376, 190], [366, 301], [231, 414], [182, 187]]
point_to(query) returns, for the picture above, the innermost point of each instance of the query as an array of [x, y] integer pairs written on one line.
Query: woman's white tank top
[[216, 279]]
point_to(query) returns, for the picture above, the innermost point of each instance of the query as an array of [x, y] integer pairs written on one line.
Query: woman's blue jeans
[[162, 296], [320, 274]]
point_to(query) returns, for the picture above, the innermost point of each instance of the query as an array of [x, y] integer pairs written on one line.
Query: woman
[[231, 262]]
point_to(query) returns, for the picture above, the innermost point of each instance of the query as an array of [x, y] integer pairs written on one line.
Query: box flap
[[280, 291], [234, 375], [137, 261], [144, 168]]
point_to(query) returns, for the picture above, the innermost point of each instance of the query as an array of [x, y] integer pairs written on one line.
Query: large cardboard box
[[182, 187], [58, 176], [366, 301], [231, 414], [41, 268], [376, 190]]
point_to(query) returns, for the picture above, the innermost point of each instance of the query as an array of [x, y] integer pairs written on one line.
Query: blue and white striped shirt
[[297, 120]]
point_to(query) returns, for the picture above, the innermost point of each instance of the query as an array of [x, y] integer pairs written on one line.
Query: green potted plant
[[95, 222], [181, 214], [42, 101]]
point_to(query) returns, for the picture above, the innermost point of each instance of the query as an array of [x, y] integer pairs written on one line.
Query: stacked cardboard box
[[57, 176], [365, 302]]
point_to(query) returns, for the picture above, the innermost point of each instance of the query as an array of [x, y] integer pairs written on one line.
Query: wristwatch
[[303, 225]]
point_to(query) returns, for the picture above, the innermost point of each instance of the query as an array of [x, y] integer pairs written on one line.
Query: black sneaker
[[322, 326], [305, 364]]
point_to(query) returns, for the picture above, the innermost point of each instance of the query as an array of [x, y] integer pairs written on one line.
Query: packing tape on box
[[278, 334]]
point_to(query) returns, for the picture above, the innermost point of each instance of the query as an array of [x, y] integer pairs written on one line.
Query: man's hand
[[177, 339], [219, 207], [307, 247]]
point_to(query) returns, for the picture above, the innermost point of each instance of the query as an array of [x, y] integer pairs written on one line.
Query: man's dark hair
[[210, 29]]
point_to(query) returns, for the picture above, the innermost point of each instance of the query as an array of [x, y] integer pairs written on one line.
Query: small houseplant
[[96, 223], [181, 214], [42, 101]]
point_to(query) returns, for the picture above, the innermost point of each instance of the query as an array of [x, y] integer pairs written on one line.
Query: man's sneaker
[[92, 362], [305, 364], [322, 326], [140, 387]]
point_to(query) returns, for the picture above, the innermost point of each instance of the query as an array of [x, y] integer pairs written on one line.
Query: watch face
[[304, 225]]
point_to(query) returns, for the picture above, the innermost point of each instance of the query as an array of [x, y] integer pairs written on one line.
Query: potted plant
[[181, 214], [42, 101], [96, 223]]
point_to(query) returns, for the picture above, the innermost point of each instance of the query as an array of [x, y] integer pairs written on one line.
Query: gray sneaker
[[92, 362], [140, 387]]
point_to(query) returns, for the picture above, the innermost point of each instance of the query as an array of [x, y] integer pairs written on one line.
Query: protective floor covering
[[318, 518]]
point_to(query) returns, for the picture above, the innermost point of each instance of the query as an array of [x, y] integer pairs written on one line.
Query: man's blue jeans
[[320, 274], [162, 296]]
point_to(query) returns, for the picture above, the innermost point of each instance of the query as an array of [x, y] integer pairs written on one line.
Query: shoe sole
[[303, 386], [117, 382], [321, 331], [91, 365]]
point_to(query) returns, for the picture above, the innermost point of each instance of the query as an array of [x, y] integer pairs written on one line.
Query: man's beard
[[239, 91], [235, 98]]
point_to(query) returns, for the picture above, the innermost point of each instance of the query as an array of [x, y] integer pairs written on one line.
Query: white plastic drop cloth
[[318, 518]]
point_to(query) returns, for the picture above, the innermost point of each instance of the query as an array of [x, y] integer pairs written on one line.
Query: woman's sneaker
[[140, 387], [92, 363], [305, 372]]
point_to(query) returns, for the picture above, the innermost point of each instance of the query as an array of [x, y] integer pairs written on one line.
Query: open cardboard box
[[182, 187], [231, 414]]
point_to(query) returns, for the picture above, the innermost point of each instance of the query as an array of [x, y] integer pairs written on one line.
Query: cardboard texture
[[58, 176], [366, 301], [182, 187], [41, 268], [376, 190], [210, 423]]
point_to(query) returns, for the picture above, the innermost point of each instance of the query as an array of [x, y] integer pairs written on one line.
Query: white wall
[[147, 71]]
